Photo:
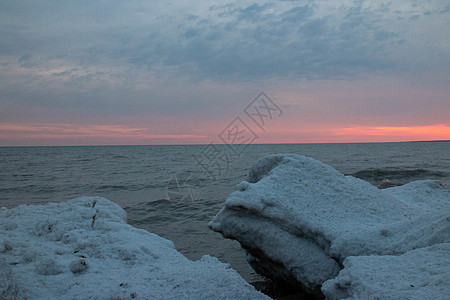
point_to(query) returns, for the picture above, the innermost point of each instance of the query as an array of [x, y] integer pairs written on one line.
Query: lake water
[[174, 191]]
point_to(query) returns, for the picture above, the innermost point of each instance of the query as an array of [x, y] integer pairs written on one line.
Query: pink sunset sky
[[123, 74]]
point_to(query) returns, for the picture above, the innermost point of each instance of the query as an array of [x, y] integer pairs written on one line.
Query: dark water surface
[[166, 191]]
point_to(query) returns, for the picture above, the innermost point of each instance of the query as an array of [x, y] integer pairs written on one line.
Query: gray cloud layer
[[98, 54], [228, 40]]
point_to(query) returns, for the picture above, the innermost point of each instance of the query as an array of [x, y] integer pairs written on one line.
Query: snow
[[419, 274], [84, 249], [301, 219]]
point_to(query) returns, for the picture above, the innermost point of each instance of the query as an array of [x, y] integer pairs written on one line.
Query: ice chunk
[[8, 282], [78, 265], [299, 218], [48, 266], [84, 249], [419, 274]]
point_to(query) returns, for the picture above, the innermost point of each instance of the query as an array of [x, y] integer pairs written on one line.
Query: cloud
[[304, 39], [104, 62], [57, 134], [405, 133], [438, 130], [230, 40]]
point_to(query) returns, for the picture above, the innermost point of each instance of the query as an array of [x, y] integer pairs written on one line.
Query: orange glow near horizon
[[401, 133], [72, 134], [19, 134]]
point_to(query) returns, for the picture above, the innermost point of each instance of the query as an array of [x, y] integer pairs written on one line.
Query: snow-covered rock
[[299, 219], [84, 249], [418, 274]]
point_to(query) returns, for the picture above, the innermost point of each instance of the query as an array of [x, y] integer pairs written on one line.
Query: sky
[[192, 72]]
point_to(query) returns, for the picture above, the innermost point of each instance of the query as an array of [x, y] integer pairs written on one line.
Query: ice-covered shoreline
[[303, 222], [83, 248]]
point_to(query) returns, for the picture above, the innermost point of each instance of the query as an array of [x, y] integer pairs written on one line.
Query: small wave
[[119, 157], [130, 187], [392, 177], [83, 159], [112, 187]]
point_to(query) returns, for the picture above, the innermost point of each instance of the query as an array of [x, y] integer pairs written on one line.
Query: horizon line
[[203, 144]]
